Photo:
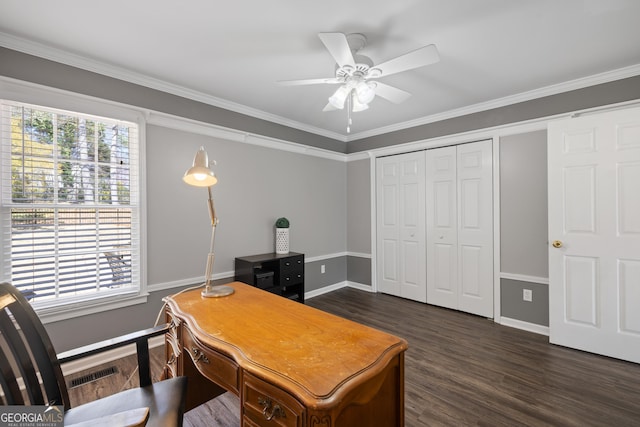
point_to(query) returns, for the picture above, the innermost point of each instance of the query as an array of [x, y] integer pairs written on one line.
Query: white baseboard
[[108, 356], [360, 286], [324, 290], [525, 278], [526, 326]]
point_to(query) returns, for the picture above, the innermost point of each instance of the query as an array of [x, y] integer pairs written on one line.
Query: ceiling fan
[[358, 76]]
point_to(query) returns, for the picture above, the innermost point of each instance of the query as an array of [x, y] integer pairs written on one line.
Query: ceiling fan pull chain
[[349, 122]]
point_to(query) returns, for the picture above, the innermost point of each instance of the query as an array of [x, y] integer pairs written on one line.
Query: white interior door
[[594, 221], [442, 227], [475, 228], [400, 214]]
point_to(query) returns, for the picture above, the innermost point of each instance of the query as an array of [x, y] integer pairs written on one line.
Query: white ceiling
[[230, 54]]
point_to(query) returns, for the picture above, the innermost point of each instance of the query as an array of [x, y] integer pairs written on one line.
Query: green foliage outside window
[[86, 153]]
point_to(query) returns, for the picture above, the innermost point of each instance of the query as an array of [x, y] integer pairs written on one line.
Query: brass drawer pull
[[269, 410], [198, 355]]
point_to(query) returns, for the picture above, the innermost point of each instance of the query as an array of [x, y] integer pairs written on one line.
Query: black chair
[[26, 352], [120, 269]]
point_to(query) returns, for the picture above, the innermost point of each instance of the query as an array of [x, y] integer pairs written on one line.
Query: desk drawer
[[172, 352], [266, 405], [218, 368]]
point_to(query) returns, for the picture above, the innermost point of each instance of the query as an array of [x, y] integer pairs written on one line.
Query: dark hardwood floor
[[463, 370]]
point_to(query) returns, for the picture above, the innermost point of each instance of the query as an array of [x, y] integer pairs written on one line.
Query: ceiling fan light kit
[[362, 91], [357, 90]]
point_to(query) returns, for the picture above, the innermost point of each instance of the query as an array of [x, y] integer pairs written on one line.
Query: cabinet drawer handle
[[269, 410], [198, 355]]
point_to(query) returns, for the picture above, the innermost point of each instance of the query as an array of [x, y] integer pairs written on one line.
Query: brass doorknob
[[557, 244]]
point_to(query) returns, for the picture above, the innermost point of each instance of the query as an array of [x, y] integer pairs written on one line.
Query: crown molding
[[58, 55], [89, 64], [29, 92], [580, 83], [216, 131]]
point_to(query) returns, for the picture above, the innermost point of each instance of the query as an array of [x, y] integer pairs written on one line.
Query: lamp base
[[217, 291]]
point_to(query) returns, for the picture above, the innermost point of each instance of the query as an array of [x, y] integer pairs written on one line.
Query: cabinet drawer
[[266, 405], [292, 264], [215, 366], [291, 270], [291, 278]]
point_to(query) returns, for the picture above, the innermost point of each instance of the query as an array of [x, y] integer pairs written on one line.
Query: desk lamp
[[199, 175]]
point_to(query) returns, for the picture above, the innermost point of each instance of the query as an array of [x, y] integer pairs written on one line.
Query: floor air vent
[[93, 376]]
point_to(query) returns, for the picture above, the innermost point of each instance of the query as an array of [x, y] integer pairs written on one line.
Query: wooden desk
[[290, 364]]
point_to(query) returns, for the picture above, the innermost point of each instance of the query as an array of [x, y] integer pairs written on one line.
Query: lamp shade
[[199, 175], [339, 97], [365, 91], [357, 105]]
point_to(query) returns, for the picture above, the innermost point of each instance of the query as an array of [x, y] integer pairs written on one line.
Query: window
[[69, 207]]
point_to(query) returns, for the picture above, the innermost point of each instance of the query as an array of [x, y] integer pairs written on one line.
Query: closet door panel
[[442, 224], [400, 226], [388, 227], [412, 227], [442, 274], [471, 274], [475, 228], [389, 263]]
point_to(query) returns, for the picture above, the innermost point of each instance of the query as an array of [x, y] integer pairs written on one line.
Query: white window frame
[[18, 91]]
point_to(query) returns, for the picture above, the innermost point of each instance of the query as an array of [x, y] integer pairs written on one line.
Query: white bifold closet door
[[400, 212], [459, 227]]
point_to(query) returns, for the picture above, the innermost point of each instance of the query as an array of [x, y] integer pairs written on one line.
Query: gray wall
[[330, 212], [523, 225], [37, 70], [359, 270], [359, 221], [523, 204], [256, 186], [335, 271], [359, 206], [514, 307], [607, 93]]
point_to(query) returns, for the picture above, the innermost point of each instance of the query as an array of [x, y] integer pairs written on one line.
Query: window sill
[[88, 307]]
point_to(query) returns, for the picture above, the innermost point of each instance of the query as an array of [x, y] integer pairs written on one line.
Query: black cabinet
[[281, 274]]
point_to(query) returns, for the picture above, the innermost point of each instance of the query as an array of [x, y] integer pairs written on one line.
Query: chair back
[[27, 355]]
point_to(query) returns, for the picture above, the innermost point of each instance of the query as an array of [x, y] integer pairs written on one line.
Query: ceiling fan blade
[[418, 58], [336, 44], [330, 80], [329, 107], [391, 93]]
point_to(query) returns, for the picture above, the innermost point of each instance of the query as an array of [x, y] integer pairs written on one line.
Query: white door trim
[[496, 229]]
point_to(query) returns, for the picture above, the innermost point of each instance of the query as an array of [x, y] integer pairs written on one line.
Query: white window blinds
[[69, 203]]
